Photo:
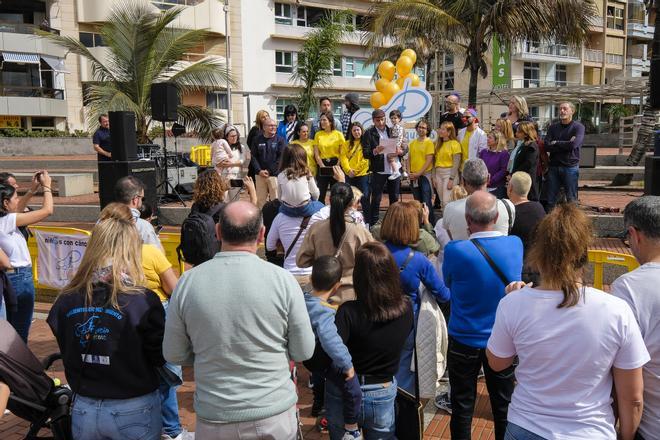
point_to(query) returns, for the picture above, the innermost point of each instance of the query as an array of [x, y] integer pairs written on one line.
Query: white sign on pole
[[59, 256]]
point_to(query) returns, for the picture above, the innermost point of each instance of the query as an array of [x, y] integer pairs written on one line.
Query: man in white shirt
[[477, 139], [475, 178], [129, 190], [639, 289]]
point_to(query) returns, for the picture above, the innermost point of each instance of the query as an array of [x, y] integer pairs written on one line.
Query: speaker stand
[[166, 182]]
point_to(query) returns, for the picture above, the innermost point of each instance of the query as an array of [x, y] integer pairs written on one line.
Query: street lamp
[[225, 8]]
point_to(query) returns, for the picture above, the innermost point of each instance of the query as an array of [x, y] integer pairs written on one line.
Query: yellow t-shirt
[[465, 147], [444, 156], [308, 145], [353, 159], [154, 263], [418, 152], [329, 144]]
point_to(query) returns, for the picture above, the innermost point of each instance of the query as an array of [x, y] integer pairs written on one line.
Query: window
[[560, 75], [348, 22], [43, 123], [534, 113], [449, 59], [314, 15], [336, 67], [421, 72], [301, 19], [448, 79], [361, 22], [531, 75], [89, 39], [362, 70], [283, 61], [349, 67], [279, 107], [217, 100], [615, 18], [283, 13]]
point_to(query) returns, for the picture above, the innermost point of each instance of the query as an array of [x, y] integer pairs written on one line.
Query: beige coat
[[318, 242]]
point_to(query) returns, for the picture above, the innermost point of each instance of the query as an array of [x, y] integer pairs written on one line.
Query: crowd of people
[[492, 284]]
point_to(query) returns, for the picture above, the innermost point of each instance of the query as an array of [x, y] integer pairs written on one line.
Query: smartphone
[[158, 228], [38, 175], [236, 183], [326, 171]]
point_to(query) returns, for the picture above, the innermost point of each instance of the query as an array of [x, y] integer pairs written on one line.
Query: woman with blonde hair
[[526, 156], [503, 125], [110, 332], [518, 111], [496, 158], [573, 343], [261, 117], [448, 154]]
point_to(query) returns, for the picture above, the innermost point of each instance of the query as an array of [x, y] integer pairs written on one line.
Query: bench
[[68, 184]]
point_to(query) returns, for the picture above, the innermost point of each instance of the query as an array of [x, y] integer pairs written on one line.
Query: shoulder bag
[[491, 263]]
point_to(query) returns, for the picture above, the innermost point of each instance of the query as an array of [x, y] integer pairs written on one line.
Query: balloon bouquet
[[403, 93]]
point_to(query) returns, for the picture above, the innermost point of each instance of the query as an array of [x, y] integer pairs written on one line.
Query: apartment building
[[617, 48]]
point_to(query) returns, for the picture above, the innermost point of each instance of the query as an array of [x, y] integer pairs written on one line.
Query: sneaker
[[443, 402], [352, 435], [394, 176], [322, 424], [404, 175], [310, 384], [183, 435]]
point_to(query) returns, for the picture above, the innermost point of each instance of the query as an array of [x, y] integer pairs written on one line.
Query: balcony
[[196, 14], [290, 32], [596, 23], [524, 83], [546, 52], [636, 67], [24, 28], [32, 101], [614, 59], [638, 30], [593, 56], [31, 92]]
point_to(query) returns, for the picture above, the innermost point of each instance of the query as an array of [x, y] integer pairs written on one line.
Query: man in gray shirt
[[239, 320], [129, 190], [639, 289]]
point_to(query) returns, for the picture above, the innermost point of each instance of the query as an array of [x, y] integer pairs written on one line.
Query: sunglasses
[[625, 238]]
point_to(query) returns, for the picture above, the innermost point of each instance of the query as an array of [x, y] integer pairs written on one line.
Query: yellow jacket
[[353, 159]]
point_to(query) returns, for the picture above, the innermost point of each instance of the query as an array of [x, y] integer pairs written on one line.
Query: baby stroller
[[34, 396]]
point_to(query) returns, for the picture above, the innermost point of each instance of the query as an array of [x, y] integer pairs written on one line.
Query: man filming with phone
[[266, 151]]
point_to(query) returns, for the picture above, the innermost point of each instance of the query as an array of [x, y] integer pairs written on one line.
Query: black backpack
[[198, 240]]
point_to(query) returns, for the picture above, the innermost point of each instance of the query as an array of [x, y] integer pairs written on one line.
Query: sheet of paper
[[390, 145]]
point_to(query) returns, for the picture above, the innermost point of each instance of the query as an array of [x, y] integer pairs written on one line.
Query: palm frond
[[200, 120]]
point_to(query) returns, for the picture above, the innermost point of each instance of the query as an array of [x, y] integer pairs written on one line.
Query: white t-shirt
[[453, 218], [296, 192], [639, 289], [13, 243], [285, 229], [324, 214], [566, 356]]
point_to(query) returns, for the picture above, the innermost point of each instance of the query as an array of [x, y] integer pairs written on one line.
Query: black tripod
[[166, 181]]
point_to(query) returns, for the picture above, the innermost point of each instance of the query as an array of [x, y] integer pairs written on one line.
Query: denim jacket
[[322, 317]]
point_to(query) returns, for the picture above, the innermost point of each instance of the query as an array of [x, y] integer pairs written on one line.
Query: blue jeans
[[3, 310], [301, 211], [117, 419], [405, 377], [558, 177], [23, 284], [376, 413], [169, 406], [378, 182], [422, 191], [362, 183], [515, 432]]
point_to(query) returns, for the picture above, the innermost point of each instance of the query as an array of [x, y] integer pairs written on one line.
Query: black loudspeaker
[[164, 101], [122, 136], [588, 156], [652, 176], [111, 172]]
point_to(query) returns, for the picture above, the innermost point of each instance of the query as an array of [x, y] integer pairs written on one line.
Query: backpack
[[198, 240]]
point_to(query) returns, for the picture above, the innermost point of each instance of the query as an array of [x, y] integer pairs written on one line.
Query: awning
[[57, 64], [15, 57]]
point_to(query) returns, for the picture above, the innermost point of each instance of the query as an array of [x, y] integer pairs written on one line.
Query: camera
[[326, 171], [236, 183]]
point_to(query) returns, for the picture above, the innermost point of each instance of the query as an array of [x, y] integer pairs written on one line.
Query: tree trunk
[[472, 91]]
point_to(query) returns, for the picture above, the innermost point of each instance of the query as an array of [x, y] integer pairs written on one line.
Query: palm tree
[[472, 24], [143, 48], [316, 58]]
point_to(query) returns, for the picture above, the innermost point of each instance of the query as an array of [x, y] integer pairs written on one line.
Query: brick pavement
[[42, 343]]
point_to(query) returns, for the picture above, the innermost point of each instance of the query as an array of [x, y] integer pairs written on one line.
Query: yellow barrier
[[170, 241], [600, 258], [32, 246], [201, 155]]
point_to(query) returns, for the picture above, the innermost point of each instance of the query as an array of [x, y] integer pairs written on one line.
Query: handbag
[[408, 410]]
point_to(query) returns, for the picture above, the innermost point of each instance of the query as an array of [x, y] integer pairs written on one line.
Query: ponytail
[[341, 197]]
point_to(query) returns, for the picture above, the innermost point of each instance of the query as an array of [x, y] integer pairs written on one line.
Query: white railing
[[556, 50], [612, 58], [593, 55]]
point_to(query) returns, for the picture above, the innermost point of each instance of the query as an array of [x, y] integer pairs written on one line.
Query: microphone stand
[[166, 181]]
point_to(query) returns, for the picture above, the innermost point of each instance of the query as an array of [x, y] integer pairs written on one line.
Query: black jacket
[[266, 153], [370, 140], [527, 160], [123, 347]]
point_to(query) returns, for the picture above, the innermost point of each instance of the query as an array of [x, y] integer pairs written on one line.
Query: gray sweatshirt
[[238, 320]]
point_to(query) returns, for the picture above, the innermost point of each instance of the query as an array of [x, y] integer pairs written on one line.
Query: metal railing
[[32, 92], [556, 50], [168, 4], [612, 58], [593, 55], [25, 28], [534, 83]]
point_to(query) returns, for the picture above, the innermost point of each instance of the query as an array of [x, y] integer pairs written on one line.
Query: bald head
[[240, 223], [481, 209]]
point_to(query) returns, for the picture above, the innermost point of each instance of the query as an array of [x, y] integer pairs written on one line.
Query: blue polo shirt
[[476, 290], [102, 139]]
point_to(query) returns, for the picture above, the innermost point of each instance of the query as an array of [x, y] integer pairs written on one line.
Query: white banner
[[59, 256]]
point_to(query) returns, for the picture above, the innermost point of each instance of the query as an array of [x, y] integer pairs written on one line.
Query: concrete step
[[613, 159], [607, 172], [34, 163]]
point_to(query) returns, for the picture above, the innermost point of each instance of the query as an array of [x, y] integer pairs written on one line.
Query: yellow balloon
[[400, 81], [391, 89], [380, 84], [386, 70], [377, 100], [414, 79], [404, 65], [410, 54]]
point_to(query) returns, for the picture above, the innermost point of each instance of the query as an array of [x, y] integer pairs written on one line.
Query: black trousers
[[463, 363], [378, 183]]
